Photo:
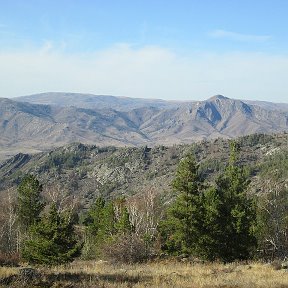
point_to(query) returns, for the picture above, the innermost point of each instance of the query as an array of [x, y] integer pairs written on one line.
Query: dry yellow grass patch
[[159, 274], [7, 271], [175, 274]]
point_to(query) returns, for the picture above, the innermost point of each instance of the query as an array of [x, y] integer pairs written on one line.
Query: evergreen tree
[[104, 226], [29, 203], [232, 215], [100, 227], [184, 220], [108, 222], [123, 224], [95, 216], [212, 223], [52, 240]]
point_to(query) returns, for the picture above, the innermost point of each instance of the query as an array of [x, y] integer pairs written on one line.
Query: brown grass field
[[155, 274]]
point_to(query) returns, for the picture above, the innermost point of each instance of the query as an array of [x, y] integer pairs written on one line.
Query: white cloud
[[239, 37], [151, 72]]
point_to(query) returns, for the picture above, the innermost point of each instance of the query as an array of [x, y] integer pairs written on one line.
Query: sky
[[167, 49]]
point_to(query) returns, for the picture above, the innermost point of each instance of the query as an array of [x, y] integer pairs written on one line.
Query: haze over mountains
[[40, 122]]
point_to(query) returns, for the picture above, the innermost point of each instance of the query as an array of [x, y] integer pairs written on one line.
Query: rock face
[[27, 127]]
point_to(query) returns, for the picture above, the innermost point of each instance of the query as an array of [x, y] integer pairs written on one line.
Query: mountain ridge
[[29, 127], [85, 100]]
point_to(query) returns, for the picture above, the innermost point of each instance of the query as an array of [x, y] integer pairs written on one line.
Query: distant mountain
[[27, 127], [269, 105], [119, 103], [218, 116], [91, 101]]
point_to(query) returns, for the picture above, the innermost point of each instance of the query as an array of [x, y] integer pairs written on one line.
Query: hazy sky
[[169, 49]]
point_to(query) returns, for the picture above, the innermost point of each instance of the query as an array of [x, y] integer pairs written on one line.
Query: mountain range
[[40, 122]]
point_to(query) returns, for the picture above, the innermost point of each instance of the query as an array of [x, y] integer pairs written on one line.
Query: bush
[[127, 249], [9, 259]]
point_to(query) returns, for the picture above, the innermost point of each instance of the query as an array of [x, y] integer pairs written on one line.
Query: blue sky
[[152, 49]]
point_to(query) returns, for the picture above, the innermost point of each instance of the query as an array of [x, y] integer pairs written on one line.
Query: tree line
[[218, 221]]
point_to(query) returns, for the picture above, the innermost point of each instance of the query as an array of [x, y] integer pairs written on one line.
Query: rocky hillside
[[87, 171], [30, 128]]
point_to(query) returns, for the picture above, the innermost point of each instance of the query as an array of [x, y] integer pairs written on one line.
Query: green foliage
[[123, 225], [52, 240], [94, 216], [104, 225], [255, 139], [211, 166], [185, 217], [64, 160], [230, 216], [275, 166], [211, 223], [29, 203]]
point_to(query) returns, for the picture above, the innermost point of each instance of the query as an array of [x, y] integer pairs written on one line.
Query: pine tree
[[123, 225], [180, 230], [212, 223], [29, 203], [105, 223], [100, 227], [95, 216], [52, 240], [235, 214]]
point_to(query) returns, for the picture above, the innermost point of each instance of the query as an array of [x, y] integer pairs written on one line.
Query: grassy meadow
[[155, 274]]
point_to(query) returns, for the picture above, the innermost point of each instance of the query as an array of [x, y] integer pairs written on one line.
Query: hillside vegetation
[[221, 201], [89, 171]]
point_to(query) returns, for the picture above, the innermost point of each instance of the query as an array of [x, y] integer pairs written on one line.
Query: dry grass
[[7, 271], [156, 274]]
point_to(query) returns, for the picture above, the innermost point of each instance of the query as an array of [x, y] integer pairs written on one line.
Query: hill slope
[[87, 171]]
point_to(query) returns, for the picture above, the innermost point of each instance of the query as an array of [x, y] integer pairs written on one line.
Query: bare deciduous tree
[[273, 213], [145, 212], [8, 222]]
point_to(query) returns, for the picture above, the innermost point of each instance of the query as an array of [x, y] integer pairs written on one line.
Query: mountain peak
[[221, 97]]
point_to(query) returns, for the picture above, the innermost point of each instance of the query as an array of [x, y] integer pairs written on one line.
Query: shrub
[[128, 249], [9, 259]]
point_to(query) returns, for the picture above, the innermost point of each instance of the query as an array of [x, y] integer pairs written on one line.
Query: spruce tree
[[234, 216], [52, 240], [180, 230], [29, 203], [123, 224], [95, 216], [215, 222], [100, 227]]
